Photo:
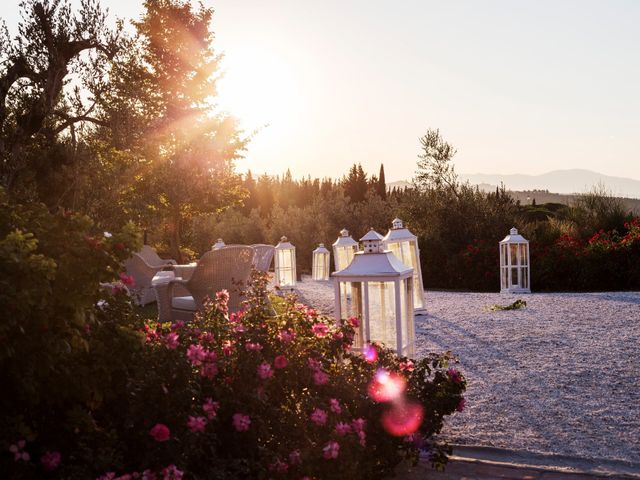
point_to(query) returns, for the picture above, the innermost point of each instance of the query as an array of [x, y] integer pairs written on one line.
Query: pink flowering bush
[[229, 395]]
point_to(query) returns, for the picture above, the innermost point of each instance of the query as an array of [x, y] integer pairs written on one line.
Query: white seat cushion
[[183, 303]]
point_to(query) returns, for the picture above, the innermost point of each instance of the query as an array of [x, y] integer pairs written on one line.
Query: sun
[[258, 88]]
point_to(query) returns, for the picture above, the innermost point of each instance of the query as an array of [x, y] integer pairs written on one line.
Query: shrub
[[247, 395]]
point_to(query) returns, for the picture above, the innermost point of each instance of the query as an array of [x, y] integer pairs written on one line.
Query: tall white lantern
[[515, 275], [285, 264], [404, 245], [218, 245], [320, 263], [343, 250], [381, 288]]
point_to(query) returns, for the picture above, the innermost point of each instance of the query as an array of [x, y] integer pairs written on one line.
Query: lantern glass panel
[[525, 277], [343, 256], [408, 328], [406, 251], [382, 313], [286, 267], [523, 254], [320, 266], [503, 254], [514, 253]]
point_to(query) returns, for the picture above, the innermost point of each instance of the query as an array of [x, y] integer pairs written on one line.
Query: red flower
[[160, 432]]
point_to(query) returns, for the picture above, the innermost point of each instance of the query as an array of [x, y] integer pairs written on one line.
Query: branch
[[80, 118]]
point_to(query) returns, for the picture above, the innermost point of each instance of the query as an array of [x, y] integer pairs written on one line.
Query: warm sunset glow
[[260, 89]]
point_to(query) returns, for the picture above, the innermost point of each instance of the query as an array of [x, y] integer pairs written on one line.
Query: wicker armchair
[[151, 257], [228, 268], [264, 256], [142, 273]]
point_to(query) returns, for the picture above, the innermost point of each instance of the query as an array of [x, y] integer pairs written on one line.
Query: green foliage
[[517, 305]]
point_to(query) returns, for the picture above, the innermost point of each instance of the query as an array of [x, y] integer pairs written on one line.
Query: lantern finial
[[396, 224], [513, 231], [283, 239], [321, 245], [344, 232]]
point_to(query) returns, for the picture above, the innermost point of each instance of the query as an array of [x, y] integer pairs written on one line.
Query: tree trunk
[[175, 235]]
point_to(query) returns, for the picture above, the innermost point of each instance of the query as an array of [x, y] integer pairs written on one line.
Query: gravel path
[[561, 376]]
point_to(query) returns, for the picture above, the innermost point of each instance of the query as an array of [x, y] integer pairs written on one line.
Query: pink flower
[[227, 347], [319, 329], [148, 475], [265, 371], [195, 354], [160, 432], [319, 416], [107, 476], [355, 323], [126, 279], [211, 408], [343, 428], [454, 375], [461, 404], [335, 406], [279, 466], [358, 424], [320, 378], [286, 336], [171, 341], [280, 361], [207, 337], [314, 364], [362, 438], [295, 458], [50, 460], [331, 450], [222, 296], [209, 370], [408, 366], [241, 422], [172, 473], [252, 347], [196, 424]]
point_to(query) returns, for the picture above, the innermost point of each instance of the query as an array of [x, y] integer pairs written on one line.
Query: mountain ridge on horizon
[[569, 181]]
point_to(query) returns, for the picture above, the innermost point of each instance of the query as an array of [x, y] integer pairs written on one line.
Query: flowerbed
[[95, 392]]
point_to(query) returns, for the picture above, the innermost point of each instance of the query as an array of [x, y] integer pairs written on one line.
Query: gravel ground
[[560, 376]]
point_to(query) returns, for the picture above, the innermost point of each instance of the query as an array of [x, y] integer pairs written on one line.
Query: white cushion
[[183, 303]]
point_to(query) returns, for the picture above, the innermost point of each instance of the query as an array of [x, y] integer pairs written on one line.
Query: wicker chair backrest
[[151, 256], [264, 256], [228, 268]]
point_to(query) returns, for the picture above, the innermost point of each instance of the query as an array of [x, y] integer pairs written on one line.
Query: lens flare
[[386, 386], [402, 419], [370, 353]]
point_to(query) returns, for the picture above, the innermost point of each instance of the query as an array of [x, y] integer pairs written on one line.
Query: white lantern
[[320, 263], [218, 245], [515, 276], [404, 245], [381, 297], [285, 264], [343, 250]]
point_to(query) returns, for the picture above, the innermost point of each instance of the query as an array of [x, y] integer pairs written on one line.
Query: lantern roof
[[344, 240], [284, 244], [371, 235], [398, 232], [321, 249], [514, 237], [384, 264]]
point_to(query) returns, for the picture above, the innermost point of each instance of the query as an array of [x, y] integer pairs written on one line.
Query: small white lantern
[[285, 264], [343, 250], [381, 297], [218, 245], [515, 276], [320, 264], [404, 245]]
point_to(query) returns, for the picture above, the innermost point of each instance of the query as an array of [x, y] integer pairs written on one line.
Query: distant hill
[[563, 189], [560, 181]]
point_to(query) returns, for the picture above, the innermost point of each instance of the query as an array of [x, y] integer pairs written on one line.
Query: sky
[[515, 86]]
